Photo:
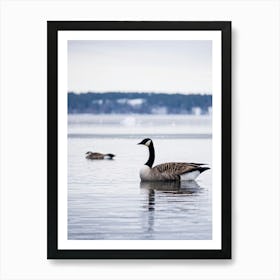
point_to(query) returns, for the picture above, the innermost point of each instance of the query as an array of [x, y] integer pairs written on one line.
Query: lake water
[[106, 199]]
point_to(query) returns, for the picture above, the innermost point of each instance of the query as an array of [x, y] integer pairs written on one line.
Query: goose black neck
[[151, 159]]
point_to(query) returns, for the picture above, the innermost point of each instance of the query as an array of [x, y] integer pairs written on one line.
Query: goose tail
[[110, 156], [202, 169]]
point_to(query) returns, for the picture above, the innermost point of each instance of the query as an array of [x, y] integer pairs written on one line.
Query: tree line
[[138, 103]]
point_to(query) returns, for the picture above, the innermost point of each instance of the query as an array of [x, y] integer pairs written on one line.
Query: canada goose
[[170, 171], [91, 155]]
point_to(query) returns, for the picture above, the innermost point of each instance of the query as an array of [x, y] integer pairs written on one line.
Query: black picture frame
[[52, 129]]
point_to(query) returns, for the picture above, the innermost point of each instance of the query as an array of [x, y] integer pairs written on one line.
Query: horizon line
[[140, 92]]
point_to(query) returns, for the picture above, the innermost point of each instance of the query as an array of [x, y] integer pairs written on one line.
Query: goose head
[[88, 153], [147, 142]]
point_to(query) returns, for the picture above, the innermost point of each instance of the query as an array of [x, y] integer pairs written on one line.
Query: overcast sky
[[141, 66]]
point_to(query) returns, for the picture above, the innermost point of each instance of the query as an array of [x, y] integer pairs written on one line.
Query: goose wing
[[197, 164], [175, 168]]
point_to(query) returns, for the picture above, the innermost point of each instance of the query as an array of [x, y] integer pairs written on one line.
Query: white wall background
[[255, 140]]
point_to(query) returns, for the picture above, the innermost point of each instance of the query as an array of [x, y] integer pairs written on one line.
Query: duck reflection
[[165, 187]]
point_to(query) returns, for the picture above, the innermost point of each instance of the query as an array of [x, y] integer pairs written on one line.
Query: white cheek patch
[[148, 143]]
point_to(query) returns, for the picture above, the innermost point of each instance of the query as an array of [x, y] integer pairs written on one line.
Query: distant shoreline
[[139, 103]]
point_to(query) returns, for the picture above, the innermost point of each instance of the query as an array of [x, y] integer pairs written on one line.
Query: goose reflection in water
[[169, 188], [175, 187]]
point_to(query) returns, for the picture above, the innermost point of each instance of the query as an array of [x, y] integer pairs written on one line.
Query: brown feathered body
[[171, 171], [91, 155], [174, 170]]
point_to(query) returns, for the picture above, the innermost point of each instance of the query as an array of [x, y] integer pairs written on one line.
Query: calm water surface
[[106, 199]]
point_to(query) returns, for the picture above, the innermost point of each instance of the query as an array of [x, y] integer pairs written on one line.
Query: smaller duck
[[91, 155]]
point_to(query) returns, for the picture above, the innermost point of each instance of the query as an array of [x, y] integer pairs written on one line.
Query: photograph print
[[139, 144]]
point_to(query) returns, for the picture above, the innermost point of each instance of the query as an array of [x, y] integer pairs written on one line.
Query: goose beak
[[141, 143]]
